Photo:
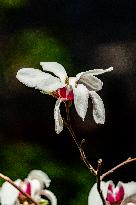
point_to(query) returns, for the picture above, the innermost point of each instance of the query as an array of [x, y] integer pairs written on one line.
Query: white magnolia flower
[[33, 185], [78, 88], [122, 194]]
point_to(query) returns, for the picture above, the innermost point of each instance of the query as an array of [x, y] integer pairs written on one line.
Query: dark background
[[80, 35]]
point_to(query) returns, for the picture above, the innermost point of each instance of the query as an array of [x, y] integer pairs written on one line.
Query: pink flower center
[[26, 187], [115, 195], [65, 93]]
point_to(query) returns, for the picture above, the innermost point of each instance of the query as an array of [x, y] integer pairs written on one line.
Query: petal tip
[[101, 122], [58, 131], [110, 69]]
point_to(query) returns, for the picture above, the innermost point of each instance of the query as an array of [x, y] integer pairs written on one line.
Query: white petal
[[55, 68], [131, 200], [94, 72], [9, 194], [81, 95], [50, 196], [40, 176], [91, 82], [36, 78], [57, 117], [98, 108], [129, 188], [35, 188], [94, 197]]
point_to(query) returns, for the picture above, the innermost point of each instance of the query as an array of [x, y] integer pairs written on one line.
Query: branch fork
[[95, 172]]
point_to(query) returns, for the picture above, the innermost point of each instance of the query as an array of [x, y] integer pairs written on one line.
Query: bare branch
[[98, 179], [79, 145], [85, 160], [129, 160]]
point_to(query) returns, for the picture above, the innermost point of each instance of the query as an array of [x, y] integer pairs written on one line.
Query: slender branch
[[85, 160], [98, 180], [79, 146], [96, 173], [129, 160], [7, 179]]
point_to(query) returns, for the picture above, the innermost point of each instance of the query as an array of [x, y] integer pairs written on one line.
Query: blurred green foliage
[[12, 3], [27, 49], [69, 185]]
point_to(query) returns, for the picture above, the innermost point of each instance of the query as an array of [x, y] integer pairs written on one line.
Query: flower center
[[26, 187], [115, 195], [65, 93]]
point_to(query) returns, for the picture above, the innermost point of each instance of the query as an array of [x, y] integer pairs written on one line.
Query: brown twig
[[7, 179], [117, 167], [79, 145], [96, 173], [85, 160], [98, 180]]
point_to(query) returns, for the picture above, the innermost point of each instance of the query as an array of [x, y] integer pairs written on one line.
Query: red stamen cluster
[[27, 189], [115, 195], [65, 94]]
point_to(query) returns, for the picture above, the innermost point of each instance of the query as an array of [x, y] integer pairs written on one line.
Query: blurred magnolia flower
[[77, 88], [122, 194], [34, 185]]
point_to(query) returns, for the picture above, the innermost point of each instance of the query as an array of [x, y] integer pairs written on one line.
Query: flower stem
[[79, 145], [7, 179], [96, 173]]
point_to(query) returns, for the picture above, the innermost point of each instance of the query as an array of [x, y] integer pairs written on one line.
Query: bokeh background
[[80, 35]]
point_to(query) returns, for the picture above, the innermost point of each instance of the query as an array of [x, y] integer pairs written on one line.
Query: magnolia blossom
[[78, 88], [34, 185], [122, 194]]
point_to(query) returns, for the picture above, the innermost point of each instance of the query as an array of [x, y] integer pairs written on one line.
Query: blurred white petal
[[50, 196], [91, 82], [129, 188], [55, 68], [9, 194], [35, 188], [98, 108], [81, 95], [94, 72], [40, 176], [36, 78], [57, 117], [131, 200], [94, 197]]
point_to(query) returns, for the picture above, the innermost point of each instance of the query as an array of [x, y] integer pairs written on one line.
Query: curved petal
[[94, 197], [81, 95], [40, 176], [35, 188], [9, 194], [57, 117], [98, 108], [91, 82], [50, 196], [36, 78], [55, 68], [94, 72]]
